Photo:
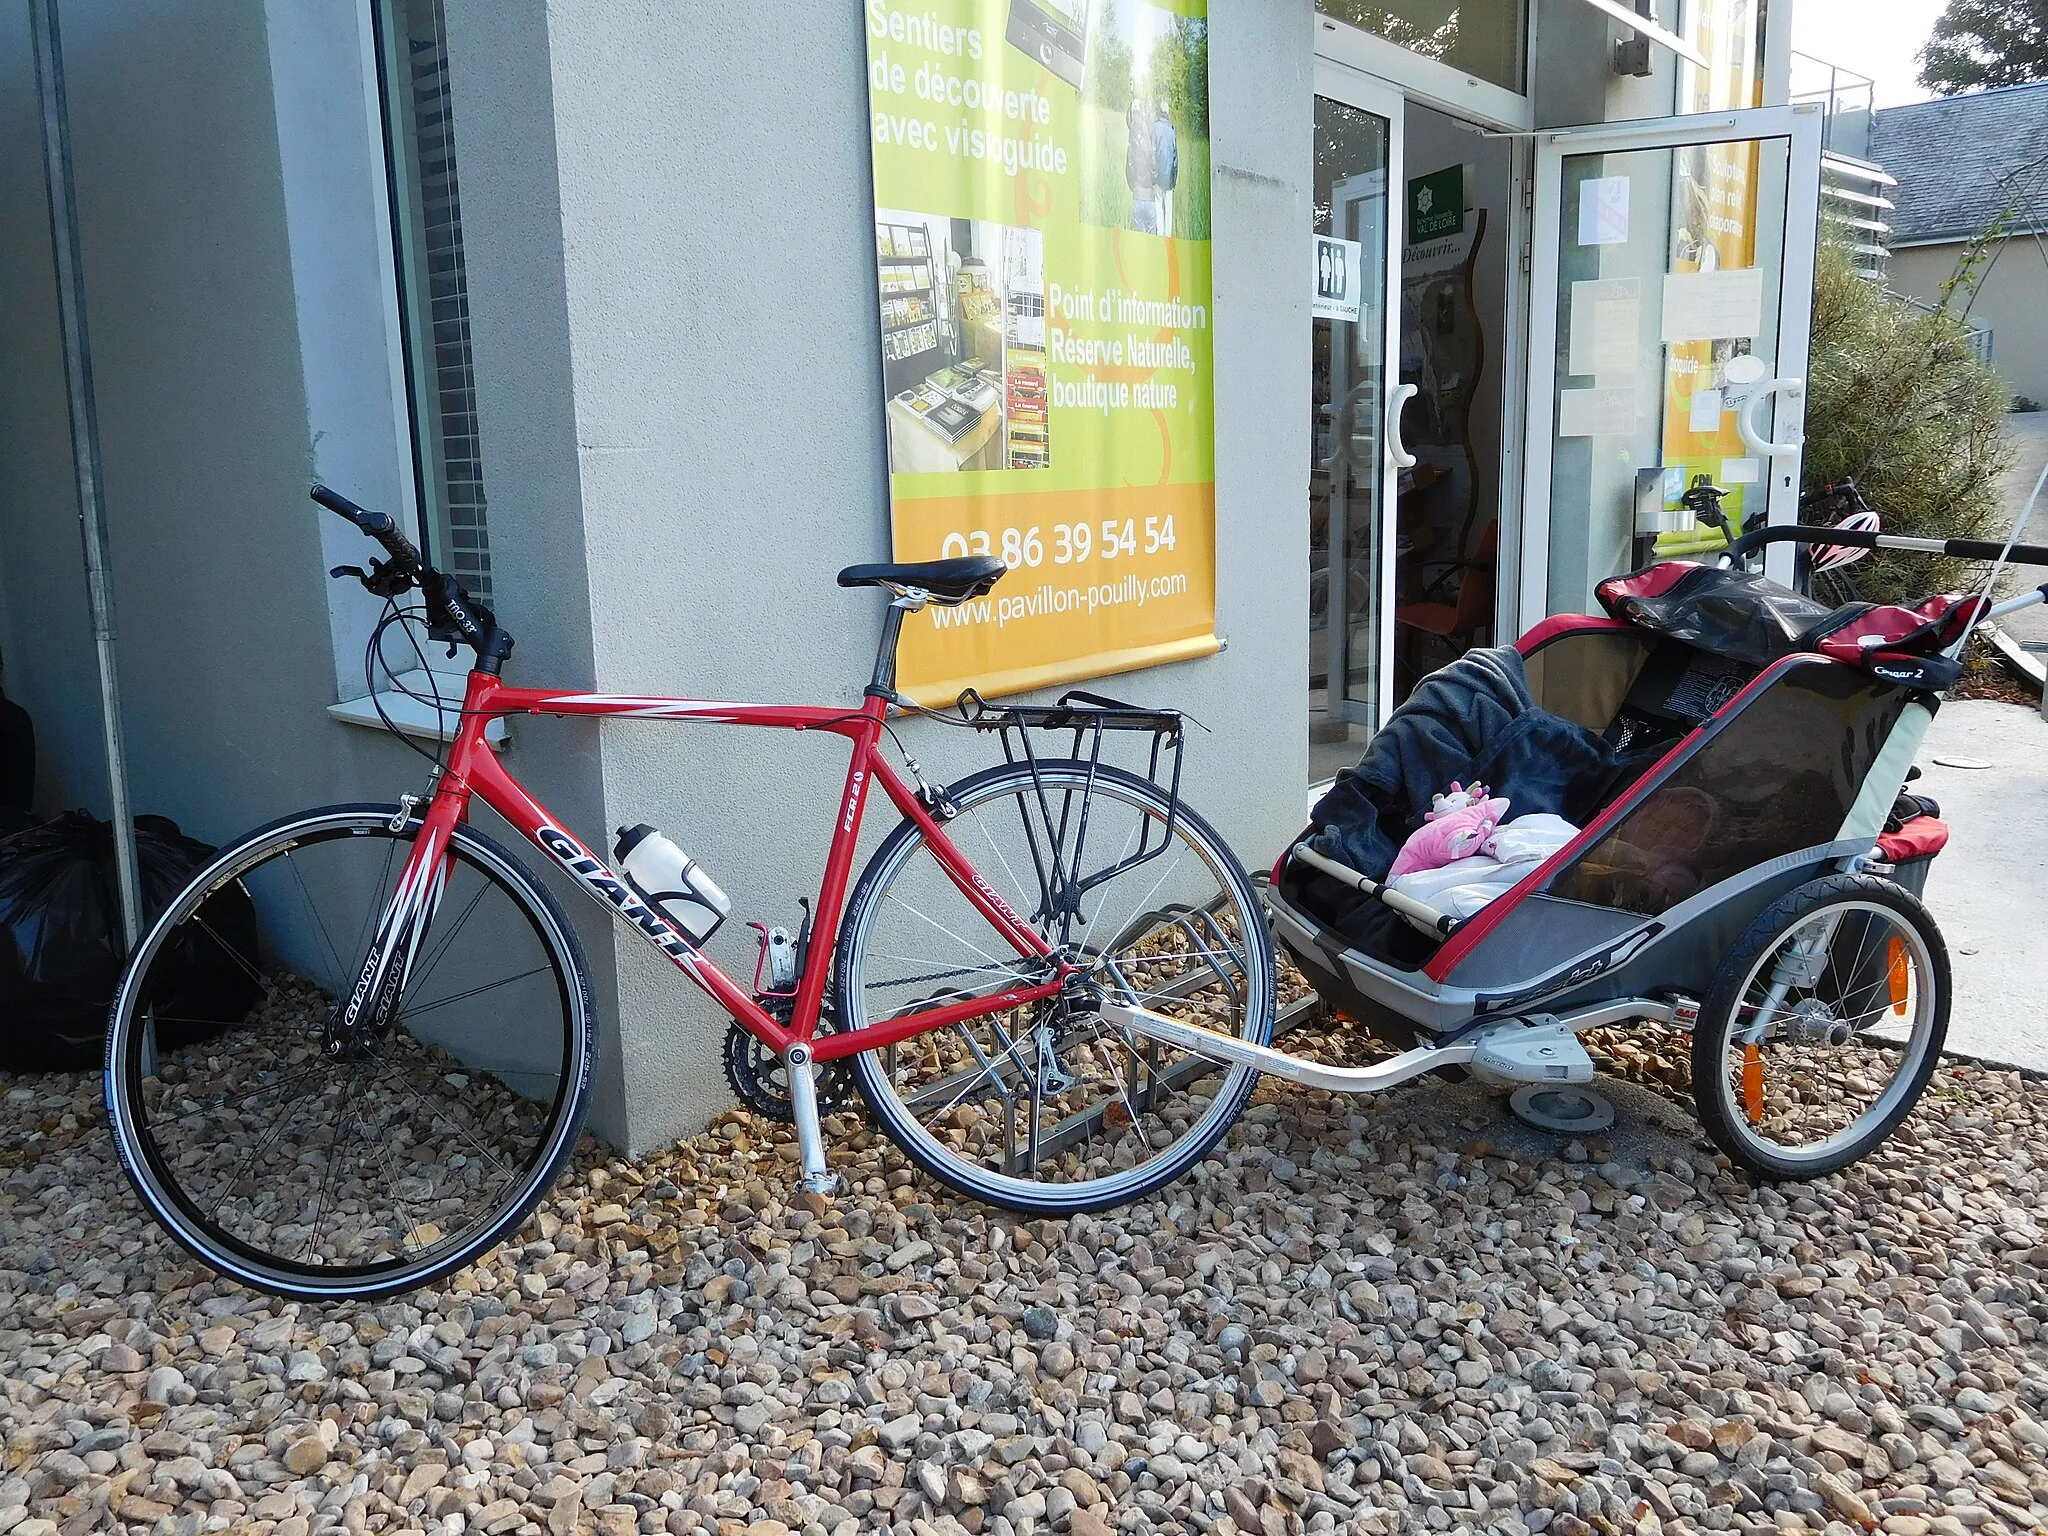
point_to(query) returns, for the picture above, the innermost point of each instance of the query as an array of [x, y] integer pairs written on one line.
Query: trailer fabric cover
[[1473, 721]]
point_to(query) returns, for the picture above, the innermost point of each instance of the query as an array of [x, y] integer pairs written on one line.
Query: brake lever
[[381, 579]]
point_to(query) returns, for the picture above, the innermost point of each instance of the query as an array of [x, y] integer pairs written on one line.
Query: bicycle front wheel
[[311, 1167], [1048, 1109]]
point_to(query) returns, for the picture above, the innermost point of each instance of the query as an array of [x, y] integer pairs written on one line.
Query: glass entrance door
[[1354, 446], [1670, 312]]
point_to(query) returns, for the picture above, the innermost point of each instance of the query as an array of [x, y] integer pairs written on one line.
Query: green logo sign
[[1436, 204]]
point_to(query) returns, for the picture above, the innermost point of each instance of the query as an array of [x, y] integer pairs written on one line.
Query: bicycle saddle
[[948, 581]]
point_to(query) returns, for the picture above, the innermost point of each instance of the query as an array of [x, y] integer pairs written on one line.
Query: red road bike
[[416, 1071]]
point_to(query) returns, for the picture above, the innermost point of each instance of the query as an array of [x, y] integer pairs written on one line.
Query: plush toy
[[1458, 824]]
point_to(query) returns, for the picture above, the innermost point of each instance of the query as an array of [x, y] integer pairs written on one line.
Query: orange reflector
[[1753, 1083], [1899, 973]]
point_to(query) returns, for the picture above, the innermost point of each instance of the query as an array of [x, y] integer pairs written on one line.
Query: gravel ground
[[1405, 1313]]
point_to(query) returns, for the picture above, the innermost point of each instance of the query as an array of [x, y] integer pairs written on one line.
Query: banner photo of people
[[1041, 173]]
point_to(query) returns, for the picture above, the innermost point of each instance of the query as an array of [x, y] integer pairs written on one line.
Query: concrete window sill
[[414, 717]]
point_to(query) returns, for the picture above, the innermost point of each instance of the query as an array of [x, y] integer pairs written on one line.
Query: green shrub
[[1898, 402]]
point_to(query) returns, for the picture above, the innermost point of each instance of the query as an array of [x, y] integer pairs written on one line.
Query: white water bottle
[[669, 879]]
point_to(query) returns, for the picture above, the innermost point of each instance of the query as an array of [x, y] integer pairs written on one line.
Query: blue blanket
[[1473, 721]]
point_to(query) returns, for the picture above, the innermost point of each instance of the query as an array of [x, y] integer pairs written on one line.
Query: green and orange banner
[[1041, 183]]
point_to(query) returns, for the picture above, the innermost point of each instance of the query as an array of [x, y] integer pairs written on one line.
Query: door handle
[[1399, 396], [1794, 391]]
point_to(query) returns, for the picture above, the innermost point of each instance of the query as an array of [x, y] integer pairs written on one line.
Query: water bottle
[[671, 881]]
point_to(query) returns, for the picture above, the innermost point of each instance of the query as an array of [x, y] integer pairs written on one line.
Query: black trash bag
[[61, 952]]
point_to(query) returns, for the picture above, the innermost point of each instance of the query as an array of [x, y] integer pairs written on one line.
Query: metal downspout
[[85, 440]]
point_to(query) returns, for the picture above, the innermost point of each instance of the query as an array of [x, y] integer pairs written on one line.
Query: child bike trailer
[[1719, 766]]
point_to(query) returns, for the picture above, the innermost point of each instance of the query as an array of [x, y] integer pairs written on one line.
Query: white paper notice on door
[[1714, 306], [1607, 317], [1603, 211], [1337, 291], [1596, 412]]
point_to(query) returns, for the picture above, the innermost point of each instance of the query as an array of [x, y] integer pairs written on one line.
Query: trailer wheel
[[1822, 1027]]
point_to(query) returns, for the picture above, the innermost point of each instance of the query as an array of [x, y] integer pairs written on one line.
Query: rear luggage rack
[[1063, 830]]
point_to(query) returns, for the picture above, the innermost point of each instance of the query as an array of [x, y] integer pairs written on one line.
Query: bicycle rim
[[1829, 1032], [309, 1171], [1048, 1108]]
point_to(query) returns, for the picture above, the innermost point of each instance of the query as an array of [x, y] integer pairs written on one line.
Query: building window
[[433, 286], [1480, 37]]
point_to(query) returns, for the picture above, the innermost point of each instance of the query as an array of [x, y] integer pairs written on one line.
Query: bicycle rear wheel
[[1048, 1108], [311, 1169]]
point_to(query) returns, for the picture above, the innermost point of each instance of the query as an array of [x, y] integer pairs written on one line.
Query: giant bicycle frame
[[473, 770]]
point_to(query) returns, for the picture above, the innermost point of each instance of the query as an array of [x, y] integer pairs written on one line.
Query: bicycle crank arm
[[817, 1178], [1210, 1045]]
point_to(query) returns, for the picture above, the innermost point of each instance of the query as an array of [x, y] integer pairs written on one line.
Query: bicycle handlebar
[[378, 525], [452, 614], [1856, 538]]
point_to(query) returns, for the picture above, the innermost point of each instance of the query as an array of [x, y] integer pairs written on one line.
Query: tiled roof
[[1961, 159]]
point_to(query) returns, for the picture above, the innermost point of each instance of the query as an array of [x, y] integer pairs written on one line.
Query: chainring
[[760, 1080]]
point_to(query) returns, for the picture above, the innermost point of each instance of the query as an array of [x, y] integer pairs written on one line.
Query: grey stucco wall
[[224, 655], [653, 206], [501, 100], [45, 638], [227, 657]]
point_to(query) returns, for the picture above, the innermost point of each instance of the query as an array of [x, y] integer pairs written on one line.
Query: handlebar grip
[[334, 501], [378, 525]]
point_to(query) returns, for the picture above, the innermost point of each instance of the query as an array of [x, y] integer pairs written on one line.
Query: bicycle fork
[[372, 1006]]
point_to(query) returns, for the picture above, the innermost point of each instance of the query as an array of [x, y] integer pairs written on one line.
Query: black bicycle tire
[[882, 1105], [519, 883], [1710, 1038]]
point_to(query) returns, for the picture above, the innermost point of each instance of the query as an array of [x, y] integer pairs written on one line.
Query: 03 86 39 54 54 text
[[1071, 543]]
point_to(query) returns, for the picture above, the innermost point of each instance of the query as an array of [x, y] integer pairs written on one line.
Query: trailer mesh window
[[1777, 775]]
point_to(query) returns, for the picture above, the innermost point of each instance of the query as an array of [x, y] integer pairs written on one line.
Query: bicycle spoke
[[216, 1103], [1002, 858], [230, 951], [413, 1011], [341, 972], [460, 1130], [342, 1134], [453, 933], [1088, 937], [949, 933], [248, 1163], [989, 1073]]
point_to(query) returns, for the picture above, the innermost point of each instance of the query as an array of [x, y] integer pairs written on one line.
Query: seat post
[[883, 684]]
